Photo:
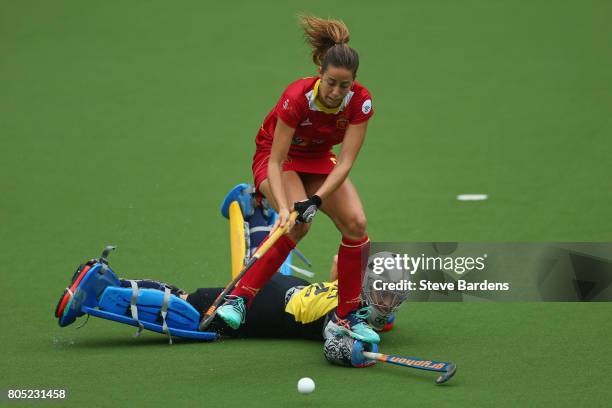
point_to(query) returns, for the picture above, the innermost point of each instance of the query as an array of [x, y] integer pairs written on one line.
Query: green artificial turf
[[126, 123]]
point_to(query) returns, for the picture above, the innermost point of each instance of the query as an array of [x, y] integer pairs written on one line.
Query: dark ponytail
[[328, 39]]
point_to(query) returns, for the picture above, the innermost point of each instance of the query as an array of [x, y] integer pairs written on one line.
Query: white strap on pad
[[134, 308], [164, 312]]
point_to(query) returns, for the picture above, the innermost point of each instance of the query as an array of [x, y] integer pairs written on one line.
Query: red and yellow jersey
[[317, 128]]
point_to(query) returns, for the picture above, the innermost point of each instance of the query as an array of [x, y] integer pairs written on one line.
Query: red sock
[[352, 259], [264, 268]]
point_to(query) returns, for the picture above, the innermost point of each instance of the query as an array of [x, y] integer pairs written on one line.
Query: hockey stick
[[448, 369], [210, 313]]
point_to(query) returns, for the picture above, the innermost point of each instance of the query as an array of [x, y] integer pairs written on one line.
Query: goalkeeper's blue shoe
[[354, 324], [233, 311]]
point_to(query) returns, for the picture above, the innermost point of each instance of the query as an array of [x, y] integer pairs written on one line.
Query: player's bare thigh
[[294, 191], [343, 206]]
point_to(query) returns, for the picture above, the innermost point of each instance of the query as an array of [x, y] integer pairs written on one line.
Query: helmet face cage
[[386, 301]]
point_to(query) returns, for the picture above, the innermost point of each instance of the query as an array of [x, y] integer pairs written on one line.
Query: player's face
[[385, 302], [336, 82]]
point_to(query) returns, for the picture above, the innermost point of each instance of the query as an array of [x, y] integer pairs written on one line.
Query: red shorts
[[310, 165]]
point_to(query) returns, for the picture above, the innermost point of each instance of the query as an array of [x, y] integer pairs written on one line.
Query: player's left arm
[[351, 145]]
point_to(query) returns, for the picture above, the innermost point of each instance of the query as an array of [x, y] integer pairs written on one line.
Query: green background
[[127, 122]]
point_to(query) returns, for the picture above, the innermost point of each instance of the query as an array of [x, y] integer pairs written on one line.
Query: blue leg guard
[[258, 217], [153, 310], [96, 290]]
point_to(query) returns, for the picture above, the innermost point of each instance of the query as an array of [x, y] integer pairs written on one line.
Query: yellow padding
[[237, 242]]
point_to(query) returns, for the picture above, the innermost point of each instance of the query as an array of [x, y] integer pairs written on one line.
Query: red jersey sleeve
[[361, 107], [290, 109]]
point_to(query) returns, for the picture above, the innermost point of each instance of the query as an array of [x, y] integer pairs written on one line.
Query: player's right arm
[[283, 135]]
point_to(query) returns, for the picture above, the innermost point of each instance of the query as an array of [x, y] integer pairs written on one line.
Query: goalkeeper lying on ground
[[286, 307]]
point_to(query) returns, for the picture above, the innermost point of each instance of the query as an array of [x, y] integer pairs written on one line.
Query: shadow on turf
[[109, 342]]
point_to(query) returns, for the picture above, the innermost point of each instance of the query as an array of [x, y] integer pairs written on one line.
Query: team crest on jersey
[[367, 106], [342, 122]]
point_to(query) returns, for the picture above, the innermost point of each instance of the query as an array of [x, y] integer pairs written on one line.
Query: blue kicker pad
[[242, 194], [89, 289], [182, 318]]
